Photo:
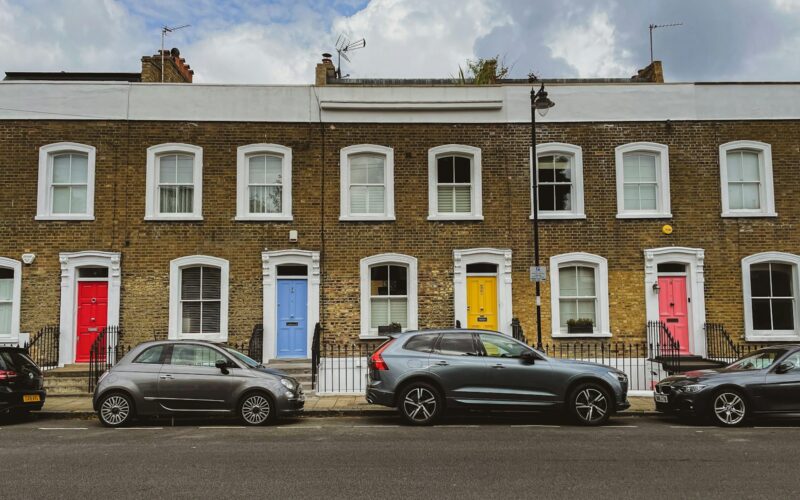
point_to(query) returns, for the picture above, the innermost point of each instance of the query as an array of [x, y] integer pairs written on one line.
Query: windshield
[[244, 359], [757, 361]]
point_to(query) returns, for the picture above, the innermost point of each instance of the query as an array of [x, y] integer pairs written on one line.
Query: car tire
[[115, 409], [589, 404], [420, 404], [256, 408], [729, 408]]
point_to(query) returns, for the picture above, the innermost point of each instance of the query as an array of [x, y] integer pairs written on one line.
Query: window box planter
[[387, 329], [580, 326]]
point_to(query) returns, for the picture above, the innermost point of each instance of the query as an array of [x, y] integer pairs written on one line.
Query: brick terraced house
[[201, 211]]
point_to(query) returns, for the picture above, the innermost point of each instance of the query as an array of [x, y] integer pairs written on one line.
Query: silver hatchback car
[[181, 377]]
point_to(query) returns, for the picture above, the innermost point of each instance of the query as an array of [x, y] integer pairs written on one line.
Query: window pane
[[444, 199], [631, 193], [782, 314], [61, 197], [167, 169], [78, 205], [274, 170], [547, 200], [457, 344], [563, 197], [61, 169], [761, 315], [759, 280], [630, 168], [6, 288], [647, 168], [444, 167], [375, 199], [735, 166], [781, 280], [568, 309], [750, 196], [462, 169], [463, 199], [194, 355], [545, 167], [358, 199], [735, 196], [586, 281], [151, 356], [190, 317], [211, 283], [398, 280], [211, 315], [375, 170], [398, 311], [647, 196], [563, 170], [379, 313], [750, 171], [272, 200], [292, 270], [379, 280], [185, 199], [586, 310], [190, 283], [79, 170], [256, 170], [358, 171], [568, 281], [258, 202], [185, 169], [5, 317]]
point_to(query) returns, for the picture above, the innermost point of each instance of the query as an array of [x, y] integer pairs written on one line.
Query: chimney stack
[[175, 68], [653, 73], [325, 70]]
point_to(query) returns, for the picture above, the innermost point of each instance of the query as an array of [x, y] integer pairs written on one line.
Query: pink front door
[[673, 308], [92, 316]]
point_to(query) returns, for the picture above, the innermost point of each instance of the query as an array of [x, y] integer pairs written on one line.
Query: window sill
[[181, 218], [448, 217], [64, 217], [772, 337], [633, 215], [263, 218], [557, 216], [366, 218], [734, 215], [600, 335]]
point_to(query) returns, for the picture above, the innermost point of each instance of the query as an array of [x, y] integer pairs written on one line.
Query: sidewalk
[[316, 406]]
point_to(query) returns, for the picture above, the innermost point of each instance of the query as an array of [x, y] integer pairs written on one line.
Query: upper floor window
[[174, 182], [264, 185], [367, 183], [199, 298], [10, 291], [746, 179], [454, 183], [559, 181], [66, 182], [643, 180], [388, 293], [579, 295], [770, 284]]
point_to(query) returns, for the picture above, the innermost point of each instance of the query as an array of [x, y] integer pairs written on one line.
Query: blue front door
[[292, 318]]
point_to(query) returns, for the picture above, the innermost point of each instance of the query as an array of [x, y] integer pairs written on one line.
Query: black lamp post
[[541, 104]]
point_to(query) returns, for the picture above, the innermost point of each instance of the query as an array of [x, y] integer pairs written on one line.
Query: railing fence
[[43, 347]]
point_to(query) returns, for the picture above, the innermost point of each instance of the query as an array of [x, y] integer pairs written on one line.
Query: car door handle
[[498, 365], [442, 363], [166, 377]]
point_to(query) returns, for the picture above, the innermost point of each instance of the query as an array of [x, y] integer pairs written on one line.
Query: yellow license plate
[[31, 398]]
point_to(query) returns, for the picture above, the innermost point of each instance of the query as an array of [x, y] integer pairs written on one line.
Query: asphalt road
[[372, 457]]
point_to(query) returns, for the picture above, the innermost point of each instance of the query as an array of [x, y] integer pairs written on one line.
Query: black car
[[764, 383], [21, 382]]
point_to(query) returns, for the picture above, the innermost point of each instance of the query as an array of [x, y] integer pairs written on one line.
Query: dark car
[[182, 377], [423, 373], [21, 382], [764, 383]]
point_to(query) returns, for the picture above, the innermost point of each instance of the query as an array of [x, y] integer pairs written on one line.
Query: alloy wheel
[[591, 405], [419, 404], [729, 408], [115, 410], [256, 409]]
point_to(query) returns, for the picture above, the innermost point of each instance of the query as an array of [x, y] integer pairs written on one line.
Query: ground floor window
[[10, 289], [388, 294], [579, 295], [770, 286], [199, 298]]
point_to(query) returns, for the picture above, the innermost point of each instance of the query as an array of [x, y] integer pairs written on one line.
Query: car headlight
[[287, 383], [621, 377], [693, 388]]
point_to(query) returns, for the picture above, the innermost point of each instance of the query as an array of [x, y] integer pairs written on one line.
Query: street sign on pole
[[539, 274]]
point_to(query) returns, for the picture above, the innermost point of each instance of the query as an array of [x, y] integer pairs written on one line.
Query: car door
[[143, 372], [782, 390], [190, 381], [459, 369], [516, 381]]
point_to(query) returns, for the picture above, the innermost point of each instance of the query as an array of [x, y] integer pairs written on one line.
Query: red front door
[[673, 308], [92, 316]]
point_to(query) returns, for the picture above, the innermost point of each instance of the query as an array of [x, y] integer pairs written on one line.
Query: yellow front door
[[482, 302]]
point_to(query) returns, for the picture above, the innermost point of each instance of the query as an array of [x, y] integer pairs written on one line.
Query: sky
[[280, 41]]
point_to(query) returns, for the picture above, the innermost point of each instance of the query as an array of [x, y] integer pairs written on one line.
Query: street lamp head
[[541, 102]]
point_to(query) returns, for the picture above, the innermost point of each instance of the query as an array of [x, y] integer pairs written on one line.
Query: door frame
[[68, 320], [276, 318], [270, 260], [497, 256], [693, 259]]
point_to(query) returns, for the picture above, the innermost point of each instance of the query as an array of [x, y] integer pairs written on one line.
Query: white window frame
[[344, 181], [766, 191], [152, 212], [663, 207], [600, 264], [243, 153], [770, 335], [388, 259], [44, 200], [16, 298], [175, 267], [476, 186], [576, 153]]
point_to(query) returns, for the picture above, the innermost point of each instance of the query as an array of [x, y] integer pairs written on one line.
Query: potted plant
[[580, 325], [392, 328]]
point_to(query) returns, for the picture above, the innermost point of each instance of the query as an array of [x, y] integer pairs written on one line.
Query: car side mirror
[[784, 367], [528, 357], [222, 365]]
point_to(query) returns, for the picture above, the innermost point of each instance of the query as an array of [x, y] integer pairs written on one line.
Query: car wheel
[[420, 404], [729, 408], [256, 409], [589, 404], [115, 410]]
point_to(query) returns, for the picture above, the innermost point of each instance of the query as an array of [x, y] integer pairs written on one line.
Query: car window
[[151, 356], [497, 346], [422, 343], [795, 359], [194, 355], [457, 344], [757, 361], [6, 363], [252, 363], [24, 361]]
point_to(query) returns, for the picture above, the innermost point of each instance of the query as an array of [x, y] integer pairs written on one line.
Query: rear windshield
[[6, 362]]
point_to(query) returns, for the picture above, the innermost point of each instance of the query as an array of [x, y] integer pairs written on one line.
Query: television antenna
[[164, 31], [343, 46], [656, 26]]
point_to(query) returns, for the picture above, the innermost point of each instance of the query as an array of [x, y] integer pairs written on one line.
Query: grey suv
[[422, 373], [182, 377]]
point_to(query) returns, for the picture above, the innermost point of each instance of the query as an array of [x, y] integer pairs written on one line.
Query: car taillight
[[7, 374], [376, 361]]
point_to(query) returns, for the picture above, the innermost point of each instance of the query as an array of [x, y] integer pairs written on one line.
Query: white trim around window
[[83, 181], [474, 183], [10, 299], [575, 155], [152, 196], [388, 259], [775, 294], [244, 182], [346, 155], [600, 294], [176, 267], [647, 152], [763, 184]]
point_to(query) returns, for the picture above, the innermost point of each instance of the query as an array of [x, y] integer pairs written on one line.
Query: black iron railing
[[343, 367], [104, 353], [255, 348], [315, 354], [719, 345], [663, 346], [516, 330], [43, 347]]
